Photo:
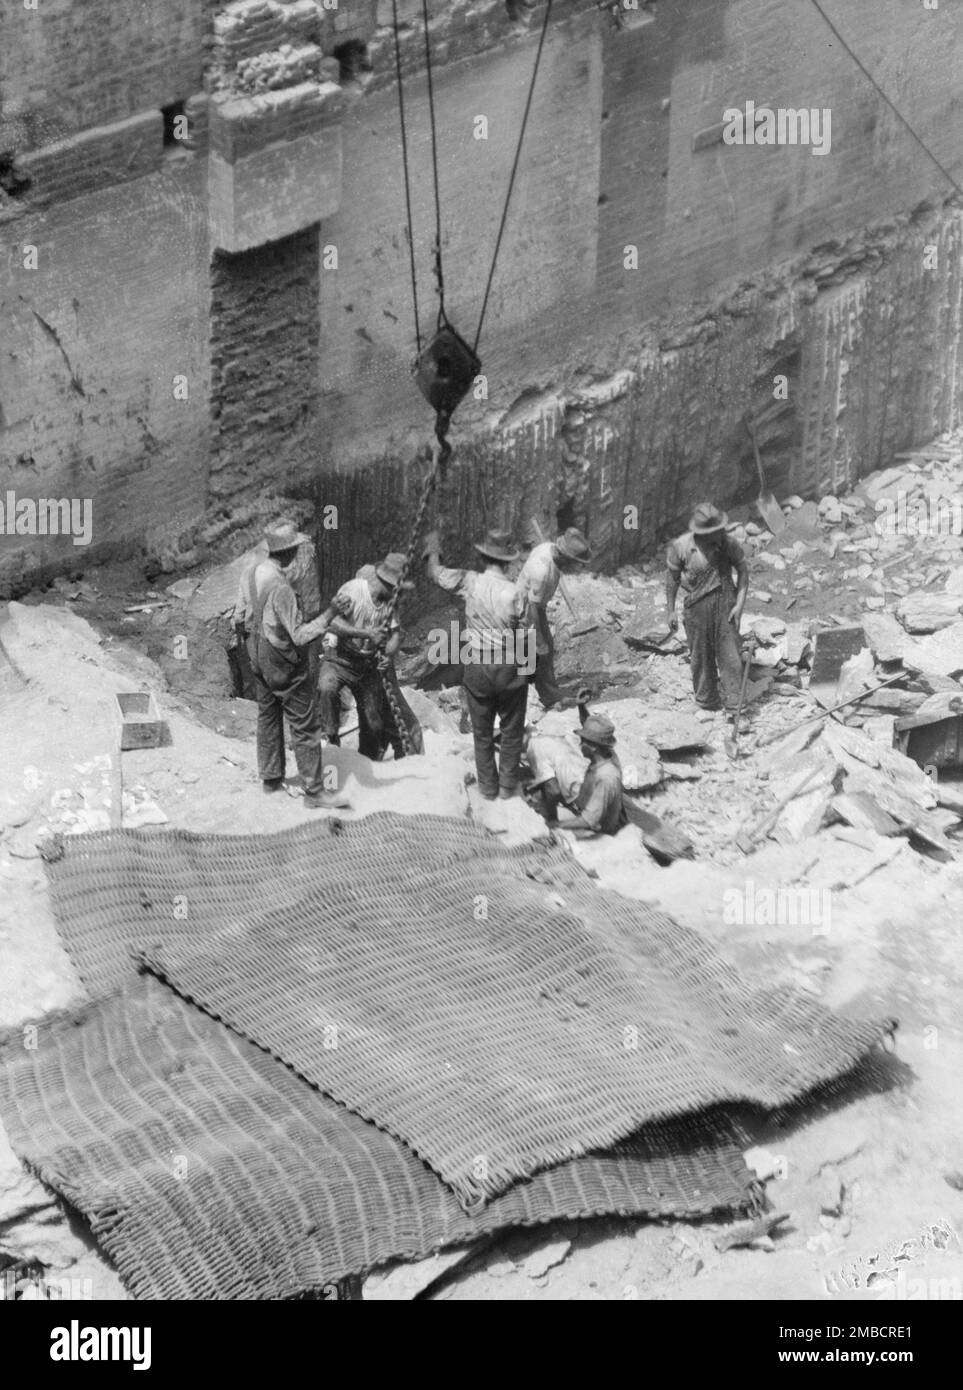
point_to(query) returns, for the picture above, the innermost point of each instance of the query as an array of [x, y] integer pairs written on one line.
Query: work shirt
[[539, 576], [701, 574], [550, 756], [362, 611], [537, 582], [281, 623], [600, 797], [493, 603]]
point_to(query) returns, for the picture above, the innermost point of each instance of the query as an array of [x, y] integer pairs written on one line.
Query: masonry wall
[[752, 262], [264, 358], [67, 67], [93, 340]]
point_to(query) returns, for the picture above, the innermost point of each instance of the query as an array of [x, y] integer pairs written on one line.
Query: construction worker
[[537, 583], [391, 735], [302, 575], [491, 651], [594, 797], [368, 636], [277, 645], [703, 562]]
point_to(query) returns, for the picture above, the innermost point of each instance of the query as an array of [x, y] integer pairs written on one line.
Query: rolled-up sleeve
[[285, 605], [450, 578]]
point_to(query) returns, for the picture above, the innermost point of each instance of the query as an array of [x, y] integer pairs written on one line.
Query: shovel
[[731, 741], [766, 504]]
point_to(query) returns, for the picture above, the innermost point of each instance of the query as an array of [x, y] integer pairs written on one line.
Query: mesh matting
[[209, 1170], [447, 989]]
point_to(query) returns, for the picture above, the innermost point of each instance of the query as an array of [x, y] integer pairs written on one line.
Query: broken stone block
[[861, 811], [924, 613], [803, 816], [830, 509], [954, 581], [767, 630], [941, 652]]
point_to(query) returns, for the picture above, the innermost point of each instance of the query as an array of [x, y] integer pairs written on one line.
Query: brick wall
[[95, 159], [264, 361], [66, 67], [548, 251], [92, 340]]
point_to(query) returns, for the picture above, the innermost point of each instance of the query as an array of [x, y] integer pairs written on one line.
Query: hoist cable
[[889, 102], [404, 157], [439, 276], [511, 181]]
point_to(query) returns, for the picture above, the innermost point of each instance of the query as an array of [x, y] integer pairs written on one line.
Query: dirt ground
[[871, 1177]]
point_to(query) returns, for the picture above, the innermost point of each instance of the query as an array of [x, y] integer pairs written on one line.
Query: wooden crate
[[140, 723]]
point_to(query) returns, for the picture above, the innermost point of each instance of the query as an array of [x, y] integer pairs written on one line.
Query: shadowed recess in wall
[[208, 1170], [491, 1009]]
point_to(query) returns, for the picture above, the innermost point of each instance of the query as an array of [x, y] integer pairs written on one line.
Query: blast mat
[[447, 990], [209, 1170]]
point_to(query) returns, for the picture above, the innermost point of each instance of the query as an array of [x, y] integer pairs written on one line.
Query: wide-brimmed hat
[[391, 569], [497, 545], [283, 535], [574, 546], [706, 518], [597, 729]]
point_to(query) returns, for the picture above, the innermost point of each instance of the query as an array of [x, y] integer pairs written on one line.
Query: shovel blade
[[771, 512]]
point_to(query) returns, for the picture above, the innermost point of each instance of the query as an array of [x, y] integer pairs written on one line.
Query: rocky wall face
[[846, 357]]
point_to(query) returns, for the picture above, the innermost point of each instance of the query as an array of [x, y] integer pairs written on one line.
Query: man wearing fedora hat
[[703, 562], [537, 582], [493, 685], [596, 802], [267, 611], [367, 632]]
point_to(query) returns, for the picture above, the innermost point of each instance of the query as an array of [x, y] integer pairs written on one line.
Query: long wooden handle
[[815, 718]]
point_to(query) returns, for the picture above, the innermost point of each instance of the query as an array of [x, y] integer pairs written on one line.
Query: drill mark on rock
[[55, 338]]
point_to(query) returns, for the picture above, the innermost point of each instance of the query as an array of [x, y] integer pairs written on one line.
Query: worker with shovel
[[537, 581], [702, 561]]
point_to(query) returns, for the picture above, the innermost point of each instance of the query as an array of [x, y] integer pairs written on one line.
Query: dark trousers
[[544, 679], [714, 652], [496, 691], [286, 692], [364, 681]]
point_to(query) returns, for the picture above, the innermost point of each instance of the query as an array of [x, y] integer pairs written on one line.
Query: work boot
[[507, 793], [326, 801], [272, 784]]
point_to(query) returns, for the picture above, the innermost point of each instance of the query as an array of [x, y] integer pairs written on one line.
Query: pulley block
[[445, 371]]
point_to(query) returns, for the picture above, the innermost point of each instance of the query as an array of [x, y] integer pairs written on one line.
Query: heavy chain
[[441, 452]]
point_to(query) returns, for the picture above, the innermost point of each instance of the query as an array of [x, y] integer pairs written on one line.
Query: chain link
[[442, 453]]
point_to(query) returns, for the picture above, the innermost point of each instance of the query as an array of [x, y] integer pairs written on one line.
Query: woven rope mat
[[208, 1170], [496, 1023], [114, 888]]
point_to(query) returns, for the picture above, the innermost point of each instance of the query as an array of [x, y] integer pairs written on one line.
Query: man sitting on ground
[[596, 805]]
